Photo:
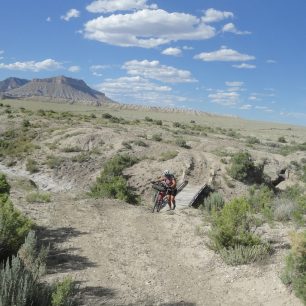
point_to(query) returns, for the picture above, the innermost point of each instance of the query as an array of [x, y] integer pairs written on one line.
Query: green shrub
[[214, 202], [157, 137], [106, 116], [16, 142], [38, 197], [284, 209], [26, 123], [72, 149], [62, 293], [54, 162], [167, 155], [148, 119], [32, 165], [252, 140], [4, 185], [140, 143], [111, 183], [127, 144], [21, 279], [81, 158], [232, 227], [241, 254], [260, 198], [158, 122], [282, 139], [13, 228], [181, 142], [243, 169], [294, 273]]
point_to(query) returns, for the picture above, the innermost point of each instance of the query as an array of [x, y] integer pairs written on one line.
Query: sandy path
[[125, 255]]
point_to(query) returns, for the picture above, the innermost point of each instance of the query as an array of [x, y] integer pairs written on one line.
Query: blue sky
[[233, 57]]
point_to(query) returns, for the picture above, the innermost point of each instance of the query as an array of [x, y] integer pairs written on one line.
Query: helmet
[[166, 172]]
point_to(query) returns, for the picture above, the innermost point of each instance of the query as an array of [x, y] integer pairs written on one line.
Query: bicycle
[[160, 198]]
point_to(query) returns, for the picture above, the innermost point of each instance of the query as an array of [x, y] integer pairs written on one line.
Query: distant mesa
[[56, 89]]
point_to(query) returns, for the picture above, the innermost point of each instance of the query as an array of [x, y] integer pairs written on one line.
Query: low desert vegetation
[[294, 274], [23, 263], [232, 234], [38, 197], [242, 168], [168, 155], [112, 184]]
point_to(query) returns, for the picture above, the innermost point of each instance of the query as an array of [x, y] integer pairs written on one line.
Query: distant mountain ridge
[[12, 83], [55, 89]]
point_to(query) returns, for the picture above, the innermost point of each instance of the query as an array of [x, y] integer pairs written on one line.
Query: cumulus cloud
[[212, 15], [48, 64], [48, 19], [172, 51], [108, 6], [224, 55], [130, 84], [234, 84], [270, 61], [230, 27], [132, 89], [73, 13], [154, 70], [264, 108], [246, 106], [74, 69], [187, 48], [147, 28], [225, 98], [245, 66]]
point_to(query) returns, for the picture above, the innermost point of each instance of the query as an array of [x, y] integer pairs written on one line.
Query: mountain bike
[[160, 199]]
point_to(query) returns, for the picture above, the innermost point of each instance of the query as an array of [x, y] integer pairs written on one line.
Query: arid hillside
[[123, 254]]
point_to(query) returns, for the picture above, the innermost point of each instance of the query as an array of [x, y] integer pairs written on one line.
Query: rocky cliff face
[[12, 83], [62, 89]]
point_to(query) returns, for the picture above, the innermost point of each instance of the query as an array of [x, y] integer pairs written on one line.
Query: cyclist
[[170, 181]]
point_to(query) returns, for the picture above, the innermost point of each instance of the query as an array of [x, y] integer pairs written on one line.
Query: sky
[[243, 58]]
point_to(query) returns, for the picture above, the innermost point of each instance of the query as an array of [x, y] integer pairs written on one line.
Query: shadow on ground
[[94, 295], [62, 259]]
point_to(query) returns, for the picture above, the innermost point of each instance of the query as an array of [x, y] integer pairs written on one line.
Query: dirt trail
[[125, 255]]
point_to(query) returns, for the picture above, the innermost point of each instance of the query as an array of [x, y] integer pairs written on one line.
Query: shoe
[[174, 206]]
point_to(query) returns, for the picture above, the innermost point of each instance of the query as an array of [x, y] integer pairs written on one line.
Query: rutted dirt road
[[125, 255]]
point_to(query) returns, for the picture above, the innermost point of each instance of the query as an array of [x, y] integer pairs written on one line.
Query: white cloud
[[136, 89], [147, 28], [234, 84], [99, 67], [48, 64], [264, 108], [74, 69], [187, 48], [245, 66], [1, 51], [107, 6], [48, 19], [246, 106], [72, 13], [224, 55], [172, 51], [253, 98], [130, 84], [230, 27], [212, 15], [225, 98], [154, 70], [271, 61]]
